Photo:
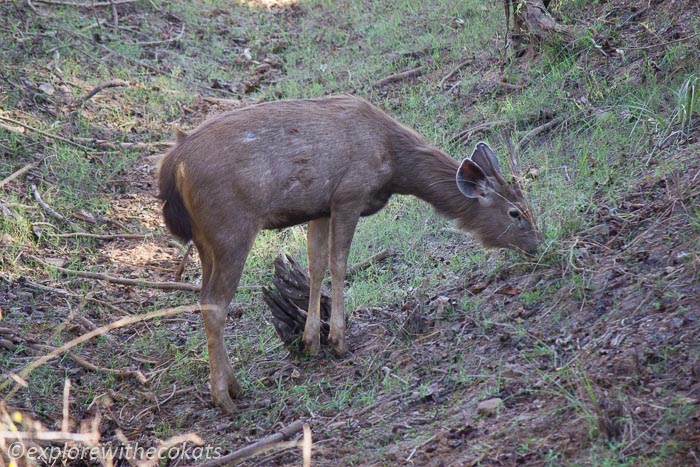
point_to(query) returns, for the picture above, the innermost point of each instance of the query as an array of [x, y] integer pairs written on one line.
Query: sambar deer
[[326, 162]]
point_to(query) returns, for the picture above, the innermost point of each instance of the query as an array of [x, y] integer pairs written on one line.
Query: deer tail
[[170, 175]]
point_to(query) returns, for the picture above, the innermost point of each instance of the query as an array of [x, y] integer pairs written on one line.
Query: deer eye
[[514, 213]]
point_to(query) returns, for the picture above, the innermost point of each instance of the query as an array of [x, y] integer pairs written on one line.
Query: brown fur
[[326, 162]]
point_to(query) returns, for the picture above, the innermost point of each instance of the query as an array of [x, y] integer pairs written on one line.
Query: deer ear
[[180, 135], [471, 180], [486, 158]]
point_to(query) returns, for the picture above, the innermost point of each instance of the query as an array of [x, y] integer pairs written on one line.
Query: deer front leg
[[317, 244], [342, 230]]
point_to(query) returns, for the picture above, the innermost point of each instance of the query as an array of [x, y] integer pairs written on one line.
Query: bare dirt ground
[[614, 357]]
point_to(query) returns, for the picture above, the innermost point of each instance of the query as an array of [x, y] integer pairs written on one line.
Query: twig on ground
[[98, 332], [454, 70], [57, 436], [381, 256], [544, 127], [115, 14], [230, 102], [89, 325], [12, 129], [166, 41], [379, 403], [271, 442], [419, 446], [17, 174], [466, 134], [49, 210], [45, 288], [183, 263], [44, 133], [428, 49], [85, 4], [122, 281], [306, 446], [399, 77], [663, 44], [110, 145], [64, 292], [107, 84], [103, 236], [136, 374], [511, 86]]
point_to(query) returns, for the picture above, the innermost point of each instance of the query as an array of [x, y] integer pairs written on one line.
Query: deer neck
[[430, 174]]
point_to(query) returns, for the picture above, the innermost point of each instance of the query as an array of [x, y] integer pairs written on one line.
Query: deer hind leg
[[317, 244], [343, 225], [222, 266]]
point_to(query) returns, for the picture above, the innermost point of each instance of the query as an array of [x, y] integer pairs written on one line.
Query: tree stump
[[288, 300], [533, 23]]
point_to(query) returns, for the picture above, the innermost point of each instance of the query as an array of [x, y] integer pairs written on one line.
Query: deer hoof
[[225, 403], [224, 391], [338, 347], [312, 348]]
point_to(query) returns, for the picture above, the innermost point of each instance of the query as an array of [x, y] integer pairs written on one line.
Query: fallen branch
[[137, 375], [259, 447], [306, 443], [428, 49], [115, 15], [88, 325], [381, 256], [103, 236], [110, 145], [544, 127], [511, 86], [13, 129], [399, 77], [466, 134], [49, 209], [98, 332], [46, 288], [17, 174], [166, 41], [122, 281], [44, 133], [54, 436], [85, 4], [379, 403], [134, 282], [108, 84], [663, 44], [454, 70]]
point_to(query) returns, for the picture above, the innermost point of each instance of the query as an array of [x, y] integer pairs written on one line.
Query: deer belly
[[375, 204]]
